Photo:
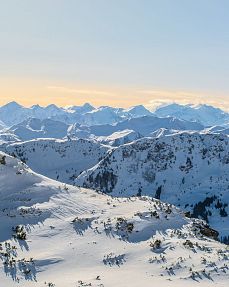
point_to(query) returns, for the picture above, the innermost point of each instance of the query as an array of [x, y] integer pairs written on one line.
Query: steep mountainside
[[57, 235], [190, 170], [58, 159]]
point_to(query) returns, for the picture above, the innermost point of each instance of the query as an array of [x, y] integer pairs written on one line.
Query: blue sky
[[67, 49]]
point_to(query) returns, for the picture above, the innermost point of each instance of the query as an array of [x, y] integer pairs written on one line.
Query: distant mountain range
[[204, 114], [13, 113]]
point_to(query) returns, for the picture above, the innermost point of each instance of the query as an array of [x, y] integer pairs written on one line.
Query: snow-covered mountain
[[57, 235], [138, 111], [102, 115], [63, 160], [13, 114], [35, 128], [50, 111], [204, 114], [144, 126], [74, 114], [81, 109], [139, 127], [190, 170], [110, 115]]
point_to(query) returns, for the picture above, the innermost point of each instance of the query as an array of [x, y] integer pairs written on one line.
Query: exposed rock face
[[209, 232]]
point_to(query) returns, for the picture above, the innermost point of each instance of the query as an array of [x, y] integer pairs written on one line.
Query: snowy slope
[[164, 132], [35, 128], [190, 170], [119, 138], [2, 125], [57, 235], [218, 130], [6, 137], [102, 115], [204, 114], [58, 159]]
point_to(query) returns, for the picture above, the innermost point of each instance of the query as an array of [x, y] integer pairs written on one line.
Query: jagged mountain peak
[[11, 105], [138, 111]]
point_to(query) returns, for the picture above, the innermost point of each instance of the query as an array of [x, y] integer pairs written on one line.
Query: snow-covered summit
[[138, 111], [85, 108]]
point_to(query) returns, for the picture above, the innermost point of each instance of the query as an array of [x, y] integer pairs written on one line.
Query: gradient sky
[[116, 52]]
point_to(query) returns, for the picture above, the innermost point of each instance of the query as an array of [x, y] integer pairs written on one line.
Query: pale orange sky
[[28, 92]]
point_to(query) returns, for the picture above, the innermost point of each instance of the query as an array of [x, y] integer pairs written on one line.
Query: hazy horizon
[[149, 107]]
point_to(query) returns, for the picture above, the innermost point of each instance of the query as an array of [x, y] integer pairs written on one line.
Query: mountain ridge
[[48, 229], [196, 165]]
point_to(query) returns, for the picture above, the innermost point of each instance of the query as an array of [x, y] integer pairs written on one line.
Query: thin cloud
[[162, 97], [79, 91]]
